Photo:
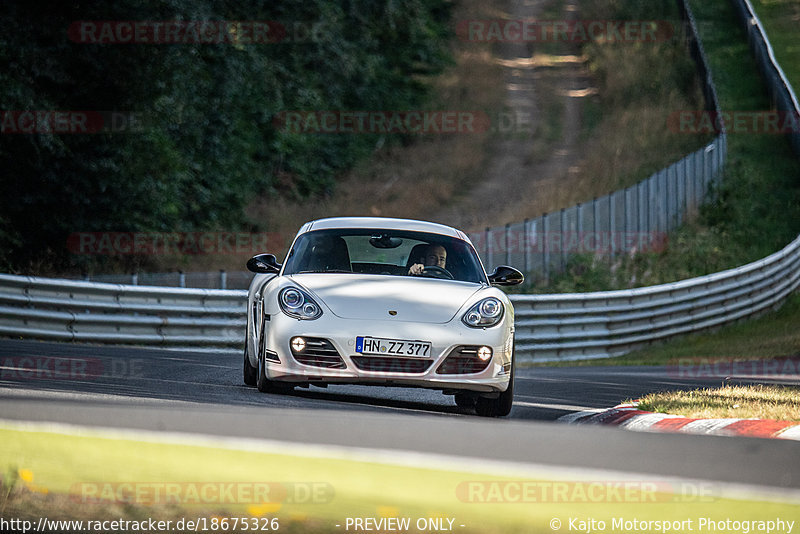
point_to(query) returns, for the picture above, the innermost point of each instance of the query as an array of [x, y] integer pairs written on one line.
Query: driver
[[435, 255]]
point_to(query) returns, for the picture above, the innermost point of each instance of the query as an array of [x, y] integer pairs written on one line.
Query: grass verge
[[745, 402], [46, 468], [781, 20]]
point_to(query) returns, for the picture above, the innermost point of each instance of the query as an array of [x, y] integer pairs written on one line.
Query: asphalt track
[[202, 393]]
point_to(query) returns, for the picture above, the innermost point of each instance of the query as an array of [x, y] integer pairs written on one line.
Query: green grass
[[746, 402], [42, 467], [773, 335], [781, 20]]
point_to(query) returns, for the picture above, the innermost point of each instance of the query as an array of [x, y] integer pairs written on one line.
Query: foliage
[[207, 139]]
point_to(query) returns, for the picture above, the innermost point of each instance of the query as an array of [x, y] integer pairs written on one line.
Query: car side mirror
[[263, 264], [504, 275]]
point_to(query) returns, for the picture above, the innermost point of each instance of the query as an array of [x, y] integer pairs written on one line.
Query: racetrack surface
[[202, 392]]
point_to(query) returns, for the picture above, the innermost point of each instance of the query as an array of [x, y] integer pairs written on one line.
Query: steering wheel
[[434, 271]]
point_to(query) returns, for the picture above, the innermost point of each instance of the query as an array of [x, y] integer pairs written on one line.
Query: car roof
[[383, 223]]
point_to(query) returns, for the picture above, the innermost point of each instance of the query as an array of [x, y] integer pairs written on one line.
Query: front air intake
[[391, 365], [463, 360], [317, 352]]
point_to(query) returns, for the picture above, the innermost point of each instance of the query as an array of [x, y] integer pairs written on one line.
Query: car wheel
[[250, 373], [264, 384], [464, 400], [501, 406]]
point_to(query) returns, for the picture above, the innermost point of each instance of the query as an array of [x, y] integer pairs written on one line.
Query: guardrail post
[[612, 225], [135, 278], [181, 279], [223, 279], [563, 236], [546, 248], [626, 227], [525, 245], [708, 167], [650, 206], [691, 191], [489, 262], [663, 187], [507, 239], [580, 222], [685, 188], [697, 192], [677, 189], [643, 225]]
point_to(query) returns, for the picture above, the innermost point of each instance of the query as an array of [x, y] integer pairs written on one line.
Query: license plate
[[393, 347]]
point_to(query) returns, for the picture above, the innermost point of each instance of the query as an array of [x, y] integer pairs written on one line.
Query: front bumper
[[389, 371]]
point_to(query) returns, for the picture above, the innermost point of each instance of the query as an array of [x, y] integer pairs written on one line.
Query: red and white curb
[[628, 416]]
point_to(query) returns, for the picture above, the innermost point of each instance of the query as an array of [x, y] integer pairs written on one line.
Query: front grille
[[463, 360], [319, 352], [391, 365]]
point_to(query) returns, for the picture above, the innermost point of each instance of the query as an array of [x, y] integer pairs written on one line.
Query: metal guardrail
[[549, 327], [635, 219], [68, 310], [611, 323], [205, 280]]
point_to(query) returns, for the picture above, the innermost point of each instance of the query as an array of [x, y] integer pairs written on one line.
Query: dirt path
[[518, 182]]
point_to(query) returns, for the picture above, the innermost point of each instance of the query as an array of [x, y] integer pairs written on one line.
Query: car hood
[[372, 297]]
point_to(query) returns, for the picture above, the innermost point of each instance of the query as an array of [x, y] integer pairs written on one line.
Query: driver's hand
[[416, 269]]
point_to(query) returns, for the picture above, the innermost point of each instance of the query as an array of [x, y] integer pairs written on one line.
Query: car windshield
[[384, 252]]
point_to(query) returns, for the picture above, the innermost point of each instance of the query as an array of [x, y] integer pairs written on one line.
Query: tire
[[250, 373], [264, 384], [464, 400], [501, 406]]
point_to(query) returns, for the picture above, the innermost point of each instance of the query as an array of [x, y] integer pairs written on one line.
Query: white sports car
[[391, 302]]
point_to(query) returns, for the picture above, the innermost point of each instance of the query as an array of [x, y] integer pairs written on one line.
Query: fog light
[[484, 353], [298, 344]]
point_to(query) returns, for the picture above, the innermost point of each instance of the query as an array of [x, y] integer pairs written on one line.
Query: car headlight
[[487, 312], [298, 304]]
